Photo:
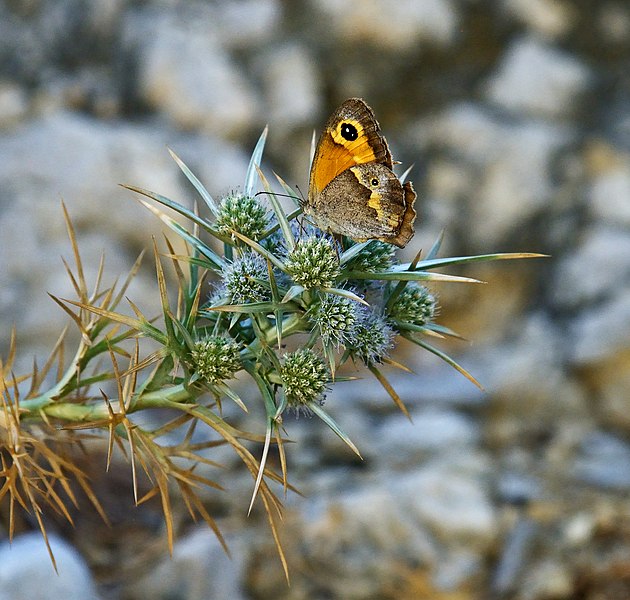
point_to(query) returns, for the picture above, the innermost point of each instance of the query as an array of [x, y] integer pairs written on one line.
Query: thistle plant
[[276, 278]]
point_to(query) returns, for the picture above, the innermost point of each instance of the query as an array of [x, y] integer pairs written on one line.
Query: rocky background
[[516, 114]]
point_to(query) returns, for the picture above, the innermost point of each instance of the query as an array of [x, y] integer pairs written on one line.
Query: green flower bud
[[415, 305], [371, 338], [243, 214], [376, 256], [334, 316], [246, 279], [215, 359], [313, 263], [304, 378]]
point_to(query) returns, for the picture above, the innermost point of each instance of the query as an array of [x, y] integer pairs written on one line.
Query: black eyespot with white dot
[[349, 132], [374, 182]]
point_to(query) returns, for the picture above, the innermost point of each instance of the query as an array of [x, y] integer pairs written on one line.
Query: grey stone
[[440, 385], [456, 568], [517, 487], [595, 270], [452, 499], [26, 571], [399, 441], [359, 529], [359, 534], [199, 569], [614, 23], [409, 23], [331, 447], [292, 85], [13, 104], [547, 578], [609, 381], [189, 76], [537, 79], [245, 23], [609, 194], [528, 383], [514, 556], [602, 330], [548, 18], [507, 164], [41, 38], [603, 461], [579, 529]]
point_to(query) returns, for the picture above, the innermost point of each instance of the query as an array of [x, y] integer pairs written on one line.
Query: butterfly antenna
[[302, 199], [276, 194]]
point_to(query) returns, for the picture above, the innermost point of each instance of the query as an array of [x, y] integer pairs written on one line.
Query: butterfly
[[352, 189]]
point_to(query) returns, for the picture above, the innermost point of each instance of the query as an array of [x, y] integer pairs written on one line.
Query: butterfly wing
[[367, 201], [352, 136]]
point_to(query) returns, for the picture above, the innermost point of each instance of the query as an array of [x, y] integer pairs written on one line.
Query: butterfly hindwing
[[367, 202]]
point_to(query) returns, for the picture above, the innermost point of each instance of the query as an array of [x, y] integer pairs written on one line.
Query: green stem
[[69, 411]]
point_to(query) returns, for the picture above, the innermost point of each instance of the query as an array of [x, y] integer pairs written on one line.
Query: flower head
[[371, 338], [334, 316], [246, 279], [375, 256], [415, 305], [244, 214], [313, 263], [215, 358], [304, 378]]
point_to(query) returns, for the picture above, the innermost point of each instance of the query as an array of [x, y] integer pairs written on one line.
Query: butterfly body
[[353, 190]]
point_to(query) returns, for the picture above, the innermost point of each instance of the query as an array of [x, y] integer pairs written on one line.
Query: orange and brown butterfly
[[353, 190]]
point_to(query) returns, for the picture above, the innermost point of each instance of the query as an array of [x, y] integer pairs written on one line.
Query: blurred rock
[[538, 80], [398, 26], [549, 18], [81, 160], [547, 579], [609, 381], [199, 569], [601, 331], [332, 449], [530, 389], [220, 165], [13, 104], [609, 189], [187, 74], [514, 556], [595, 270], [450, 497], [614, 22], [517, 487], [245, 23], [292, 85], [37, 37], [603, 461], [26, 571], [400, 442], [510, 180], [441, 386], [370, 534], [360, 535]]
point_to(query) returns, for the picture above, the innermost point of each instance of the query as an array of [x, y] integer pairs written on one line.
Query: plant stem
[[70, 411]]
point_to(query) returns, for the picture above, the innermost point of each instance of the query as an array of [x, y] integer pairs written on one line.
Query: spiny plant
[[276, 277]]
